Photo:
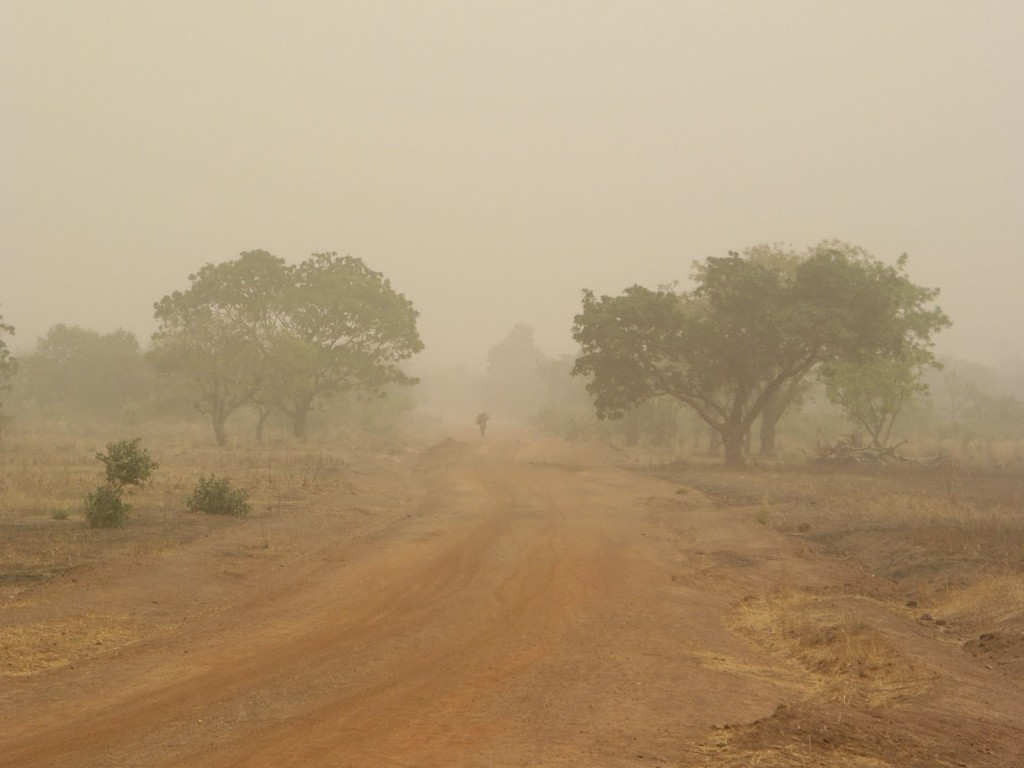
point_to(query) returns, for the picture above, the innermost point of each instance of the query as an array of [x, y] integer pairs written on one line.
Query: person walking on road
[[481, 421]]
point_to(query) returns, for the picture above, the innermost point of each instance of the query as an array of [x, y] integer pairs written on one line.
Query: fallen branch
[[849, 449]]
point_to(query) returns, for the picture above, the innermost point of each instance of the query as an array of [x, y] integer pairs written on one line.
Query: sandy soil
[[494, 603]]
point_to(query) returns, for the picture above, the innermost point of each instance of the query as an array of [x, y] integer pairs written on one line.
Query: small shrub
[[106, 508], [60, 514], [127, 463], [215, 496]]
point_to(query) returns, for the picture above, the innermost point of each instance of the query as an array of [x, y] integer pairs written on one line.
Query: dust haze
[[343, 420], [494, 159]]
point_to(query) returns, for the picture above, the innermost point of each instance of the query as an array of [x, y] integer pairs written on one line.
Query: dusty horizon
[[492, 161]]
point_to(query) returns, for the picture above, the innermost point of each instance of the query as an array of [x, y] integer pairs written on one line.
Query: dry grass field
[[942, 548], [44, 482], [872, 617], [44, 536]]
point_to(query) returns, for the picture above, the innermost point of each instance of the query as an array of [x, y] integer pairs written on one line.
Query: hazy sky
[[492, 159]]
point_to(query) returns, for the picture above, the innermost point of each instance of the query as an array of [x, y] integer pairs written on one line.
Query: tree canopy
[[341, 327], [258, 331], [730, 345], [514, 385], [216, 334], [872, 393], [77, 372]]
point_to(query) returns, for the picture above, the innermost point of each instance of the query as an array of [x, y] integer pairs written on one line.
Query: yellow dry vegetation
[[32, 647], [847, 658], [988, 602]]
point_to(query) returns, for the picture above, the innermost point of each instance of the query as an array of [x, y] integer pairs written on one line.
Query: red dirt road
[[520, 604]]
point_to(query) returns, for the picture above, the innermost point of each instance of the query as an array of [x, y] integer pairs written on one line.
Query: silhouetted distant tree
[[514, 382], [8, 365], [76, 372]]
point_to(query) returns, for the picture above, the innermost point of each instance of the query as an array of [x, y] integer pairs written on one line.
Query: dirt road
[[519, 604]]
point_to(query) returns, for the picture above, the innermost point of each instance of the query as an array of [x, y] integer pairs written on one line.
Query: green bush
[[106, 508], [215, 496], [127, 463]]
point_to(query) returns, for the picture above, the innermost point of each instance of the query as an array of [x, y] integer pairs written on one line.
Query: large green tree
[[217, 334], [785, 260], [8, 365], [341, 327], [255, 331], [746, 331]]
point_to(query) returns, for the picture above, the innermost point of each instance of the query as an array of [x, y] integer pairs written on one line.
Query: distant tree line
[[762, 335], [8, 366], [253, 332], [256, 331], [759, 335]]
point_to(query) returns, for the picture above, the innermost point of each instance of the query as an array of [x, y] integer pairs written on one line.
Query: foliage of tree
[[75, 372], [451, 391], [217, 333], [127, 465], [872, 393], [785, 260], [658, 421], [973, 401], [8, 365], [997, 416], [258, 332], [514, 385], [341, 328], [568, 411], [564, 391], [746, 330]]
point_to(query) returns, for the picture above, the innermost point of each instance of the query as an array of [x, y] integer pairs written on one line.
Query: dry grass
[[938, 556], [975, 453], [27, 648], [44, 473], [987, 603], [847, 659], [941, 529], [786, 756], [44, 479]]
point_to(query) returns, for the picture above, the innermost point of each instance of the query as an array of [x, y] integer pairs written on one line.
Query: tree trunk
[[768, 449], [733, 439], [300, 421], [219, 418], [715, 443], [263, 415], [773, 412], [631, 428]]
